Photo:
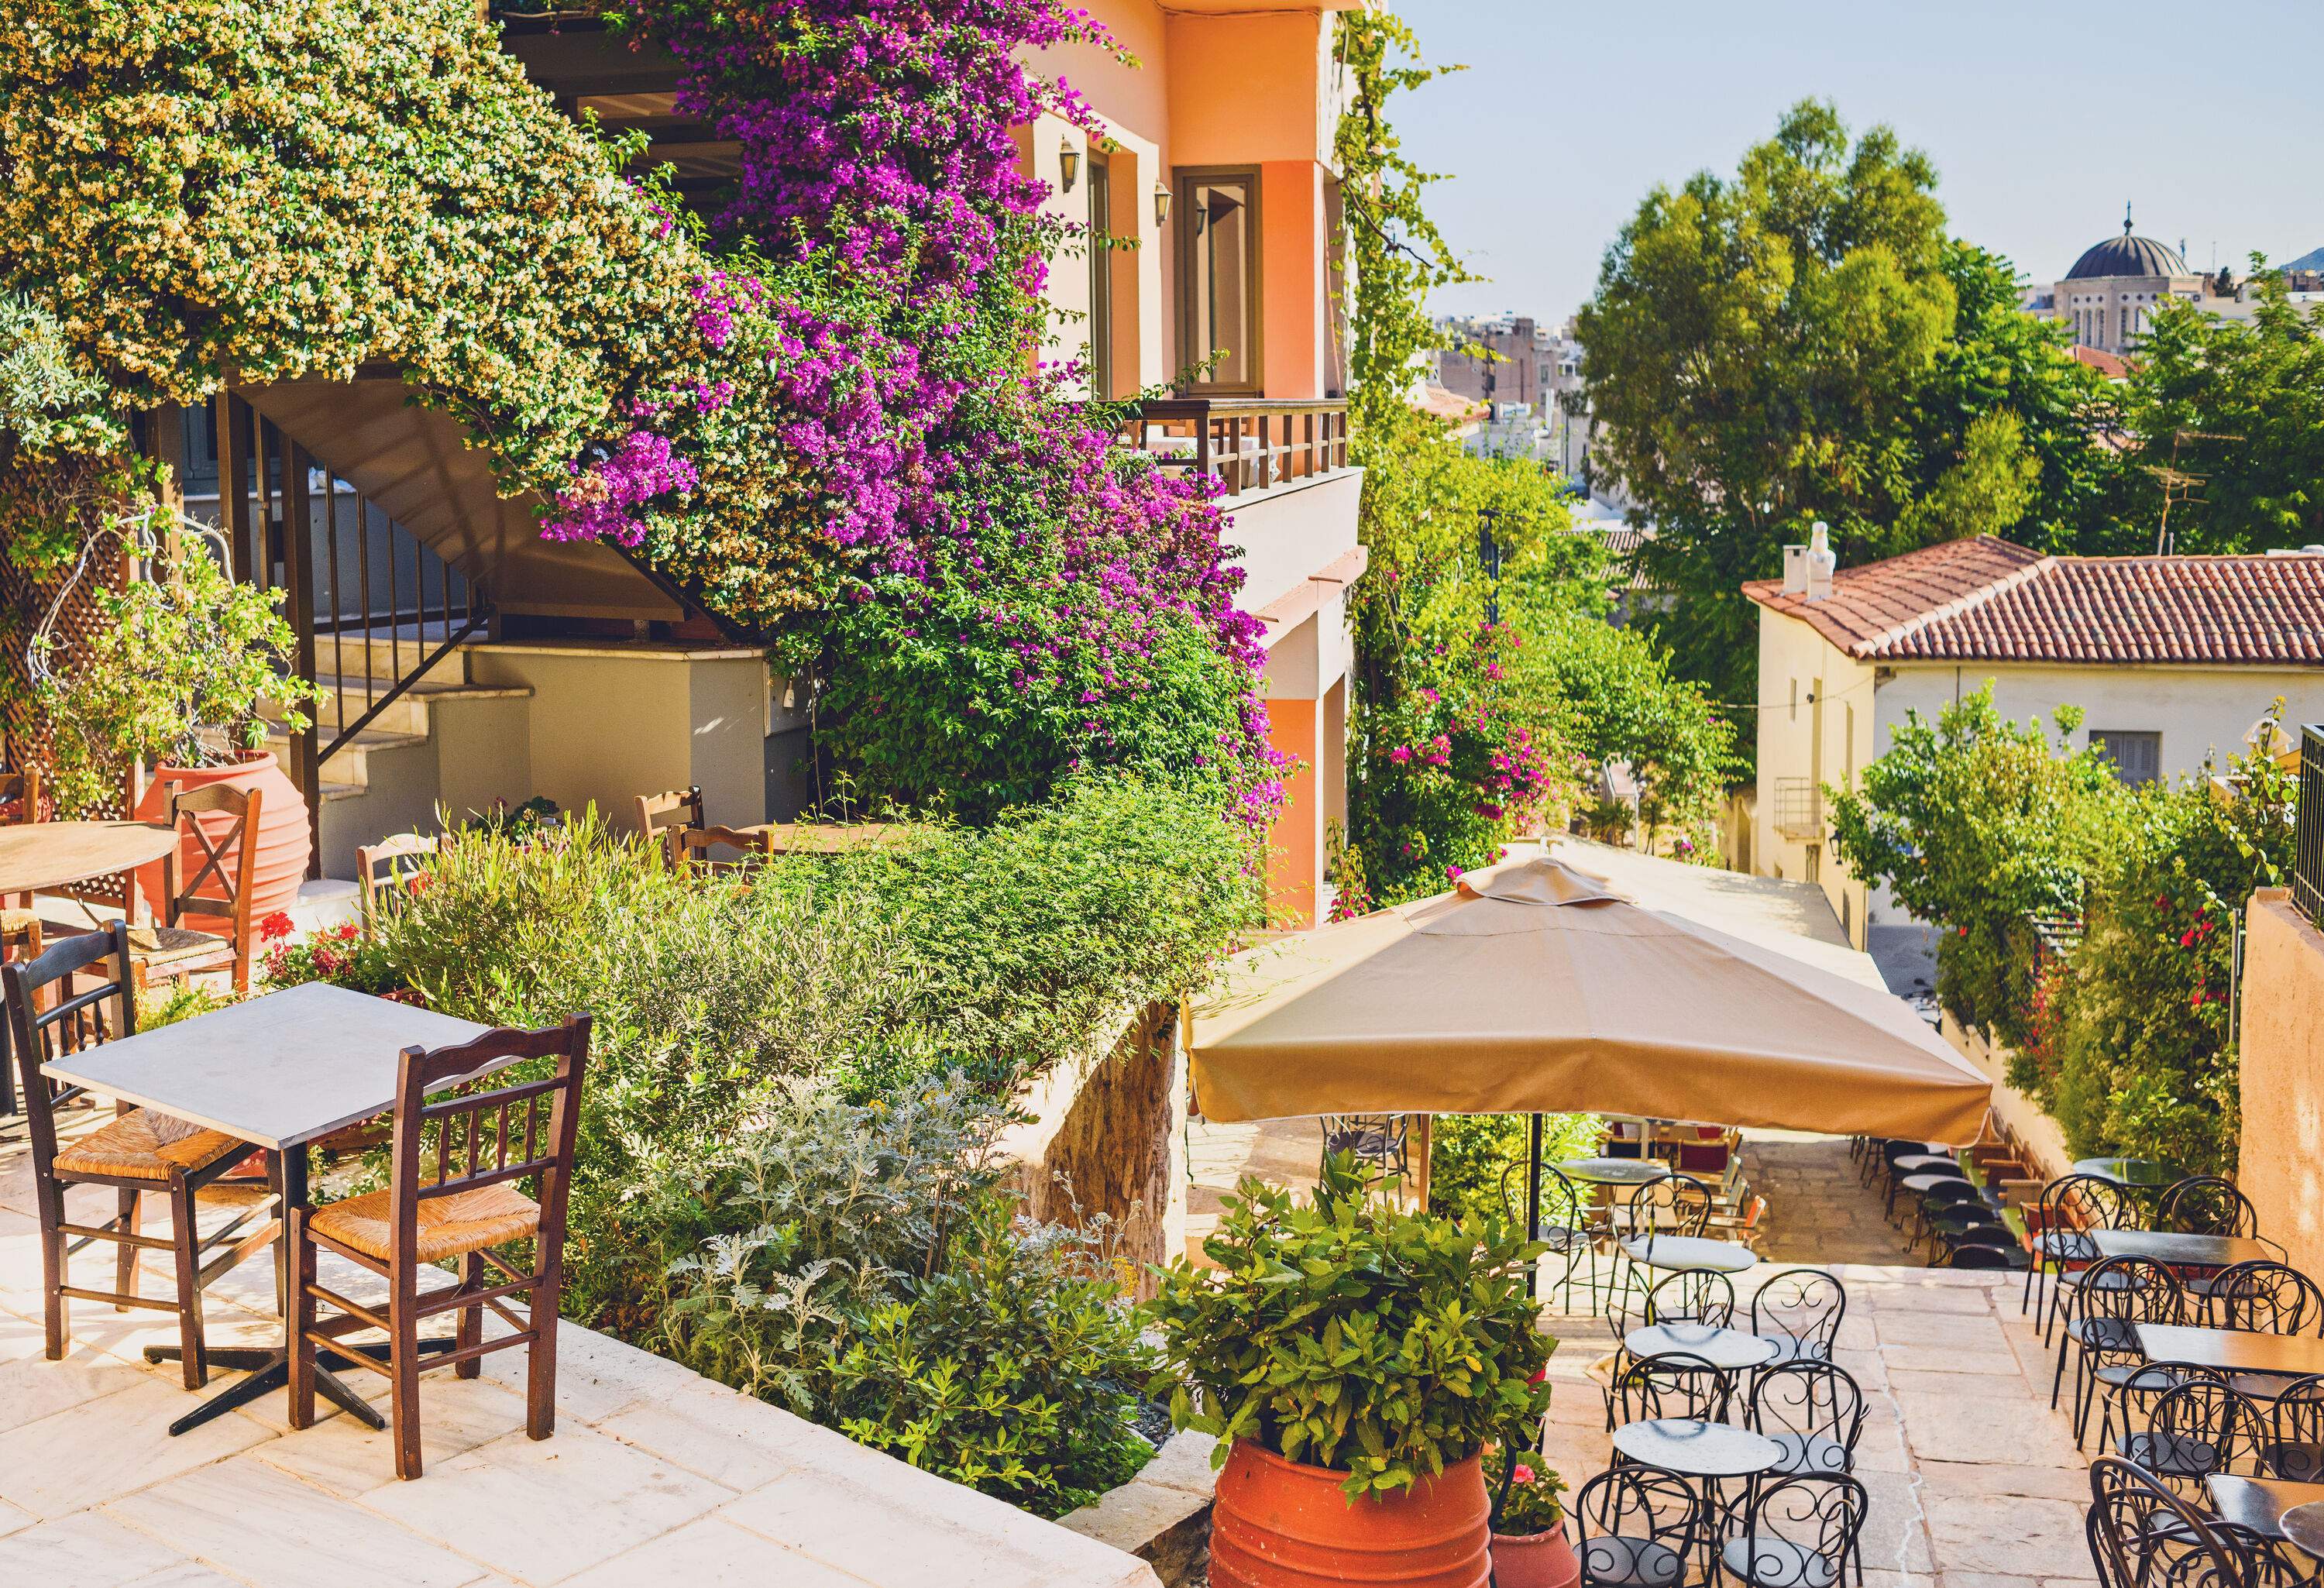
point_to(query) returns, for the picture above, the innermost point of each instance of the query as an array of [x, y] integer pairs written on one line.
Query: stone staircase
[[385, 778]]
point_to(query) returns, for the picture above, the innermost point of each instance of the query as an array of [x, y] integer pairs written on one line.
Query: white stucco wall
[[1287, 535], [2200, 713]]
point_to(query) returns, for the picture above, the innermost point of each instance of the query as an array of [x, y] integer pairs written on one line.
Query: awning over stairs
[[415, 464]]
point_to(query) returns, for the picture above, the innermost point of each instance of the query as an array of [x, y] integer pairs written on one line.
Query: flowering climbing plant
[[818, 411]]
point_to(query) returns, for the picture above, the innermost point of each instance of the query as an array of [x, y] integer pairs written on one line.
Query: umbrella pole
[[1533, 1197]]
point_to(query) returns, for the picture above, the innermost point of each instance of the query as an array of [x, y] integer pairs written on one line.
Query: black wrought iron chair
[[2295, 1446], [1635, 1527], [1692, 1296], [1813, 1409], [2143, 1535], [2063, 1217], [2196, 1428], [1564, 1225], [1797, 1532], [1800, 1309], [1672, 1385], [1378, 1138], [2265, 1297], [1674, 1204], [2112, 1297]]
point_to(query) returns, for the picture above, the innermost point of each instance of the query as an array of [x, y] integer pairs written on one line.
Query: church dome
[[2127, 255]]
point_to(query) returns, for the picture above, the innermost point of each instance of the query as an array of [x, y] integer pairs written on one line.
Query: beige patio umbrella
[[1536, 988]]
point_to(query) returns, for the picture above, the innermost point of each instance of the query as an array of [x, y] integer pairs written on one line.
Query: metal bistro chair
[[2264, 1296], [1670, 1204], [2295, 1446], [2060, 1223], [1797, 1532], [1636, 1528], [2208, 1205], [2143, 1535], [1691, 1295], [1813, 1409], [463, 1207], [1382, 1139], [2197, 1427], [1800, 1309], [1675, 1384], [139, 1154], [1564, 1225], [2116, 1296]]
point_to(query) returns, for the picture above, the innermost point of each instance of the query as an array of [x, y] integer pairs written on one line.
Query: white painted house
[[2173, 659]]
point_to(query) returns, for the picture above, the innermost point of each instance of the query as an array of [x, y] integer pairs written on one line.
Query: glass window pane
[[1222, 281]]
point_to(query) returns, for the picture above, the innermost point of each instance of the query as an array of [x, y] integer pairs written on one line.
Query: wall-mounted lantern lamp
[[1069, 165], [1161, 205]]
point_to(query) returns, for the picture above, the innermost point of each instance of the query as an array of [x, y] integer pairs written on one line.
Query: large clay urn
[[1536, 1560], [285, 842], [1281, 1524]]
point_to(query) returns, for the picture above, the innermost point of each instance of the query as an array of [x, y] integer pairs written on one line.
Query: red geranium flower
[[277, 925]]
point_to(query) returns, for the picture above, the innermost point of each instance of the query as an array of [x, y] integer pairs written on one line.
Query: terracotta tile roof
[[1985, 599], [2111, 365]]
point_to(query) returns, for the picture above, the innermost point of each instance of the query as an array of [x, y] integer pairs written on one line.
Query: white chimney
[[1821, 561], [1796, 570]]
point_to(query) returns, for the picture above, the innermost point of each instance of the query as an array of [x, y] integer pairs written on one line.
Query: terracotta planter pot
[[1281, 1524], [1534, 1560], [284, 839]]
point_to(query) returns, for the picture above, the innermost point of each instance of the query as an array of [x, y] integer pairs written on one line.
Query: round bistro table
[[1693, 1449], [1614, 1171], [1730, 1350], [56, 854], [2305, 1526], [1683, 1252], [1920, 1163]]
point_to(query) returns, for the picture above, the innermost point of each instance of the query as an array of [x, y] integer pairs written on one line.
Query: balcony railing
[[1248, 443], [1799, 807], [2308, 841]]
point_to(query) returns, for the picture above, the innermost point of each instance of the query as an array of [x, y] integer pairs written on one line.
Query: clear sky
[[2043, 118]]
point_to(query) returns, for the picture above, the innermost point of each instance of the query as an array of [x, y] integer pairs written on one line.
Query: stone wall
[[1107, 1135], [2282, 1005]]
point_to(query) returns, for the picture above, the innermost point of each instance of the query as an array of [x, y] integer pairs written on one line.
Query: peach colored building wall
[[1295, 859], [2281, 1165]]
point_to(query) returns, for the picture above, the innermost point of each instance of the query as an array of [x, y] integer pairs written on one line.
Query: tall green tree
[[1804, 341], [2238, 407]]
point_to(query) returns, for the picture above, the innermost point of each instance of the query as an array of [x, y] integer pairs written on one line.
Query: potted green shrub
[[175, 674], [1530, 1548], [1353, 1359]]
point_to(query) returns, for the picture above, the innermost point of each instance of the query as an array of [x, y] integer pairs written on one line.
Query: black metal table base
[[268, 1367]]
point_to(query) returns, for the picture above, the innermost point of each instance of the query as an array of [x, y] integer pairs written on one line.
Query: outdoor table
[[1693, 1449], [56, 854], [2235, 1351], [2178, 1249], [1916, 1184], [279, 1072], [1614, 1171], [2305, 1526], [825, 837], [2262, 1504], [1916, 1163], [1686, 1252], [2137, 1172], [1730, 1350]]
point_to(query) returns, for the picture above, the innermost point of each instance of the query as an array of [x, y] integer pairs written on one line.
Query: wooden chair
[[655, 811], [463, 1206], [228, 861], [139, 1154], [20, 803], [692, 846], [384, 870]]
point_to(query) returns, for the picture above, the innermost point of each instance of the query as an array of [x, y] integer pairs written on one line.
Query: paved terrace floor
[[655, 1476], [1974, 1482]]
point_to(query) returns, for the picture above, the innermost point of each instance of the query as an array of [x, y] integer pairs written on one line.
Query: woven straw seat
[[449, 1226], [175, 944], [145, 1146], [17, 920]]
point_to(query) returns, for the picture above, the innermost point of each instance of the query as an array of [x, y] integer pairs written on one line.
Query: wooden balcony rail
[[1250, 443], [2308, 843]]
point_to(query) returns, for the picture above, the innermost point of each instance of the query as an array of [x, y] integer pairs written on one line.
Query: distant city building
[[2109, 297]]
